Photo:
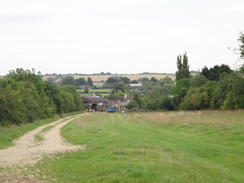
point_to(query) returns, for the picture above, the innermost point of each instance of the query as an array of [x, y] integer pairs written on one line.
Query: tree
[[80, 81], [241, 47], [113, 79], [67, 80], [183, 83], [126, 80], [241, 50], [120, 86], [214, 73], [166, 80], [89, 81], [134, 82], [27, 75], [86, 90], [198, 81], [153, 79], [143, 79], [183, 67]]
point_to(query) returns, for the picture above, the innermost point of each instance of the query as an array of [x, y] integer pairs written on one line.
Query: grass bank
[[11, 132], [152, 147]]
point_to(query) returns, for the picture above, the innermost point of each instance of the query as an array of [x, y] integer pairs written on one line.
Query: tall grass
[[152, 147]]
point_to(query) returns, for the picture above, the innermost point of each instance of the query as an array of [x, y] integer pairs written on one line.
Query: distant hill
[[99, 79]]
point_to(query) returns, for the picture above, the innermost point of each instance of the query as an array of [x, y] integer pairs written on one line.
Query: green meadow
[[177, 147], [100, 92]]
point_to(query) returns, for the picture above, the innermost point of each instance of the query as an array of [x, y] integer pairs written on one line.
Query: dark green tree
[[67, 80], [214, 73], [198, 81], [126, 80], [80, 82], [86, 90], [27, 75], [183, 67], [153, 79], [120, 86], [241, 47], [134, 82], [89, 81], [113, 79]]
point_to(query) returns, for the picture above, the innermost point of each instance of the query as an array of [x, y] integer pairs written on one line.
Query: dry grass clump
[[194, 117]]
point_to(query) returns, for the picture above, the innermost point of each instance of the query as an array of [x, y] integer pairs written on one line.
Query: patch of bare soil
[[28, 151]]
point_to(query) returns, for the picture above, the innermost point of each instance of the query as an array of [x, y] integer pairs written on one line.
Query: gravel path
[[28, 152]]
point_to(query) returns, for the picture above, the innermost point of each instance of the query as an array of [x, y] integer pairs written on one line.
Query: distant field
[[99, 79], [177, 147], [103, 92]]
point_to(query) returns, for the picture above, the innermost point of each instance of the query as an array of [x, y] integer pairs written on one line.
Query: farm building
[[96, 103], [121, 102]]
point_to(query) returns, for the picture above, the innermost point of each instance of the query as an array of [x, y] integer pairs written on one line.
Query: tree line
[[25, 97], [218, 87]]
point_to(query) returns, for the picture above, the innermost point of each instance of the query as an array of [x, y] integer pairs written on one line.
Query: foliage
[[113, 95], [86, 90], [228, 93], [25, 97], [214, 73], [153, 79], [80, 82], [132, 104], [89, 81], [198, 81], [67, 80], [166, 80], [117, 79], [241, 47], [183, 67], [120, 86], [134, 82], [160, 90], [182, 83]]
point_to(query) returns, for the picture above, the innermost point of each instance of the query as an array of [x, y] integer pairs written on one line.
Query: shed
[[96, 103]]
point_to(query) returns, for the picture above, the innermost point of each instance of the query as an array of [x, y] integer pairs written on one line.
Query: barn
[[96, 103]]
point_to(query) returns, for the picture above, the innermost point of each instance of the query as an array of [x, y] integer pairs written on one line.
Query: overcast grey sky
[[118, 36]]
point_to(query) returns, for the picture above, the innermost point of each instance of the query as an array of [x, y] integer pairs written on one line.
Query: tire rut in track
[[27, 151]]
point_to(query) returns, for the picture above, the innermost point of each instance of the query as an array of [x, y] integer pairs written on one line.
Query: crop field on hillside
[[99, 78], [203, 146]]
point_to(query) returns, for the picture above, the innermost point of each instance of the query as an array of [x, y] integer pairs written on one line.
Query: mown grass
[[11, 132], [179, 147]]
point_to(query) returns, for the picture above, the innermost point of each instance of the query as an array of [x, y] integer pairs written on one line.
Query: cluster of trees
[[214, 88], [70, 80], [153, 94], [25, 97], [224, 91]]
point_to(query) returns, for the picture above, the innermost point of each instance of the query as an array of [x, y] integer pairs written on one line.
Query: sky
[[118, 36]]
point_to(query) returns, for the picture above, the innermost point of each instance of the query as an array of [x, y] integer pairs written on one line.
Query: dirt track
[[27, 151]]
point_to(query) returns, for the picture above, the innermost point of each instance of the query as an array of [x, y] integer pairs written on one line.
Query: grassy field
[[152, 147], [102, 92]]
